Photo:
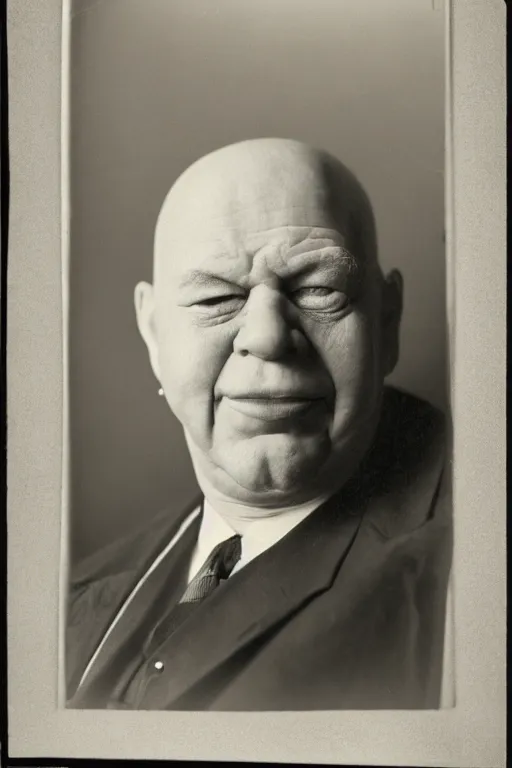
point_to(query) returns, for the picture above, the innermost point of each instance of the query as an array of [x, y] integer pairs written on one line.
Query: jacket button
[[158, 665]]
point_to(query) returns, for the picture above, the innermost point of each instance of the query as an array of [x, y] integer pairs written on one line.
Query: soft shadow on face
[[264, 324]]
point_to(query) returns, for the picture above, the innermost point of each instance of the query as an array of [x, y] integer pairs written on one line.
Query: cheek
[[191, 359], [350, 353]]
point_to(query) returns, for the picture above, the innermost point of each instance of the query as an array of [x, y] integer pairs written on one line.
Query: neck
[[240, 511], [240, 516]]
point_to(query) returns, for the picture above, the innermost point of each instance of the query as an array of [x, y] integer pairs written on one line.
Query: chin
[[280, 464]]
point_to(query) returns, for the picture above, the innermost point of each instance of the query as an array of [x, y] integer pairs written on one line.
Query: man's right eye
[[214, 300], [226, 303]]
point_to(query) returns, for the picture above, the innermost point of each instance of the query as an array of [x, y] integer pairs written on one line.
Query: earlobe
[[145, 313]]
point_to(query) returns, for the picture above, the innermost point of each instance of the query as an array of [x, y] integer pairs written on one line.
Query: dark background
[[157, 83]]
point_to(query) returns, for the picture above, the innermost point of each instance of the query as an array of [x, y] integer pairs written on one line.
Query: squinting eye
[[226, 303], [320, 299], [214, 300]]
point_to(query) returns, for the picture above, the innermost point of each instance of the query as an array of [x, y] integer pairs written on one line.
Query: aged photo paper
[[97, 139]]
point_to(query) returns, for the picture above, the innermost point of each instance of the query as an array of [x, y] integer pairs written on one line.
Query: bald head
[[265, 183]]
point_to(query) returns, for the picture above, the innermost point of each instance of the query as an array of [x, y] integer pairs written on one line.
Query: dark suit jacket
[[345, 612]]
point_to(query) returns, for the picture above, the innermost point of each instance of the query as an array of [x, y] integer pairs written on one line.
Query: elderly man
[[313, 572]]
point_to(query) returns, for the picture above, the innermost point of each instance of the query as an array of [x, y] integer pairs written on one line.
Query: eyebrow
[[336, 257], [199, 278]]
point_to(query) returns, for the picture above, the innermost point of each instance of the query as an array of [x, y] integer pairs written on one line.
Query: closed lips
[[273, 396], [273, 407]]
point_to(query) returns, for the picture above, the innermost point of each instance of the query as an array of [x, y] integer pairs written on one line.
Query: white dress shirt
[[258, 534]]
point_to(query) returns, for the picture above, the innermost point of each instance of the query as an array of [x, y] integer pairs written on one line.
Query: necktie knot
[[217, 568], [225, 556]]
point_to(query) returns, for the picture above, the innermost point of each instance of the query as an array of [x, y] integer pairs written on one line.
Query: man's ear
[[145, 311], [392, 304]]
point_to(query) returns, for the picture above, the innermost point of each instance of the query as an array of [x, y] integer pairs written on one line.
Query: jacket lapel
[[253, 601], [93, 626], [89, 614]]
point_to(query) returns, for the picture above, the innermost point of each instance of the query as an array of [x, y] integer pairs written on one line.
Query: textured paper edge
[[473, 733]]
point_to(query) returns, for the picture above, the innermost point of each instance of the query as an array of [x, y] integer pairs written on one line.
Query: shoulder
[[408, 469], [413, 411], [413, 433], [131, 551]]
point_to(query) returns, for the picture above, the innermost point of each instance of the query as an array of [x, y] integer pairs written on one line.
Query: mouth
[[272, 408]]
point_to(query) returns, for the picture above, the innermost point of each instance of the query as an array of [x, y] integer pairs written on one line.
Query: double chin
[[280, 464]]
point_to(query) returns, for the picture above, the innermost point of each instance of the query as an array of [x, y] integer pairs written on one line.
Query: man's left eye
[[320, 299]]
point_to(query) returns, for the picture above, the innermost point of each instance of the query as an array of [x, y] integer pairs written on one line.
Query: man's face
[[266, 334]]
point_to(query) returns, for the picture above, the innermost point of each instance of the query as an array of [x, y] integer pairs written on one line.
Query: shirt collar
[[259, 534], [213, 530]]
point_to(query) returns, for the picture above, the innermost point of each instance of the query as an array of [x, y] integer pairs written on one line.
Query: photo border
[[471, 734]]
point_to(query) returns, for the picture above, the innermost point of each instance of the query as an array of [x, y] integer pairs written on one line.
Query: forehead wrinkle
[[330, 255], [292, 242], [200, 252], [287, 257], [328, 260], [231, 239], [244, 232], [315, 231]]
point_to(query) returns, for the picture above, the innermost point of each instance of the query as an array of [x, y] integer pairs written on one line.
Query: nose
[[266, 331]]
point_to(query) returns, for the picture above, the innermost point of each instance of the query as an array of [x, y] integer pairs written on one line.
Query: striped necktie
[[216, 569]]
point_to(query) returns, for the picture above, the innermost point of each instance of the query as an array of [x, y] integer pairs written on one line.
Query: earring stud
[[160, 392]]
